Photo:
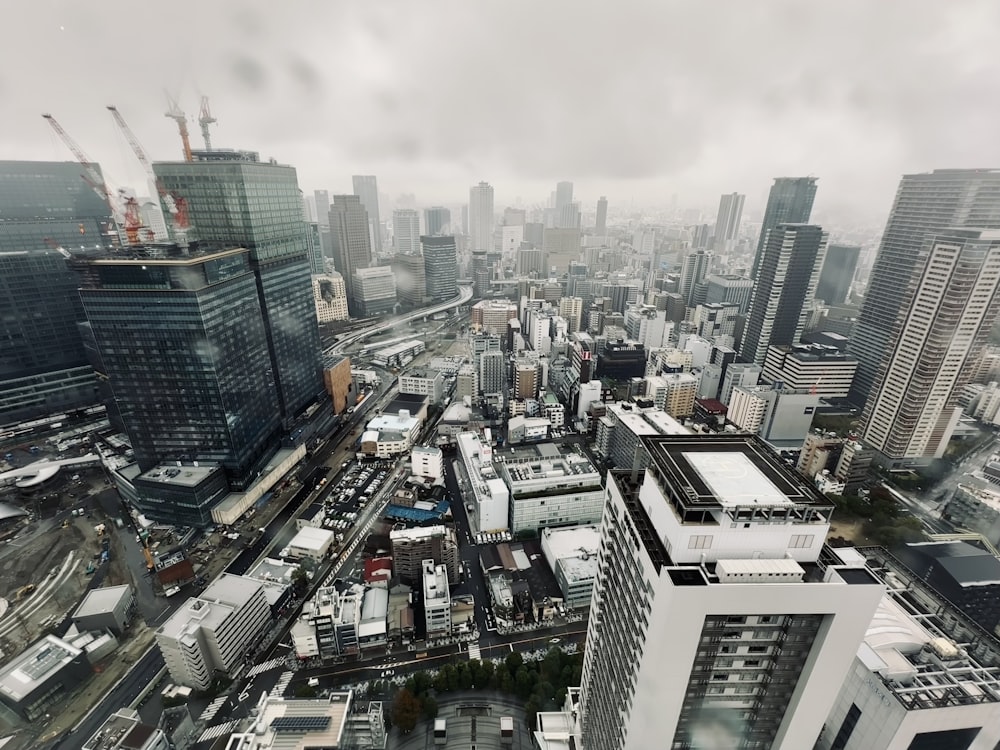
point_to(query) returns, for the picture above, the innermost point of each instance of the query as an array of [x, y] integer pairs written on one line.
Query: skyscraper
[[437, 220], [481, 216], [924, 205], [727, 222], [43, 366], [411, 282], [784, 288], [440, 267], [837, 274], [790, 202], [564, 194], [694, 267], [184, 340], [322, 200], [713, 562], [602, 217], [913, 411], [350, 229], [406, 231], [366, 188], [239, 202]]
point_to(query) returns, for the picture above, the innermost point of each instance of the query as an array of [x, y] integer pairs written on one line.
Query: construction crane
[[169, 199], [176, 114], [205, 119], [92, 177]]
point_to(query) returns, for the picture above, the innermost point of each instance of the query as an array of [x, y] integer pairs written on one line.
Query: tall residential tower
[[366, 188], [481, 216], [350, 229], [790, 202]]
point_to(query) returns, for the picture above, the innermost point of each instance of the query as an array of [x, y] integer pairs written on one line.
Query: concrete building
[[522, 429], [738, 374], [467, 383], [527, 378], [492, 371], [911, 685], [440, 267], [572, 555], [310, 544], [411, 282], [820, 369], [366, 189], [335, 721], [620, 432], [110, 608], [124, 730], [976, 509], [781, 416], [601, 227], [338, 381], [352, 239], [715, 320], [674, 393], [406, 231], [427, 382], [212, 632], [374, 291], [481, 218], [560, 247], [437, 220], [727, 222], [649, 326], [721, 546], [789, 202], [330, 296], [399, 354], [729, 289], [491, 316], [490, 498], [41, 676], [694, 268], [427, 462], [784, 288], [549, 487], [437, 599], [819, 450], [410, 547], [912, 413], [571, 308]]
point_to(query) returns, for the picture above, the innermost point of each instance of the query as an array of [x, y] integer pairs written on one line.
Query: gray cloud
[[634, 100]]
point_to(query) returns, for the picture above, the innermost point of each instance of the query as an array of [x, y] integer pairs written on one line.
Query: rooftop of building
[[425, 373], [435, 580], [99, 601], [815, 352], [296, 723], [186, 475], [311, 538], [924, 650], [400, 423], [122, 730], [728, 471], [529, 464], [418, 533], [270, 569], [400, 348], [411, 401], [964, 563], [159, 254], [426, 450], [33, 666]]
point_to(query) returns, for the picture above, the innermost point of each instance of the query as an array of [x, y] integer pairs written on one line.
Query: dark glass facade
[[259, 207], [440, 267], [183, 341], [837, 274], [43, 366], [789, 202]]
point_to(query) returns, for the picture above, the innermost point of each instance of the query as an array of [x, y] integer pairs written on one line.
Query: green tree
[[513, 661], [406, 711], [530, 711], [523, 683], [464, 676], [430, 707], [304, 691], [300, 579]]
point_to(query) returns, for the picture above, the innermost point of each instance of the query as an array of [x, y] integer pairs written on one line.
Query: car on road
[[555, 640]]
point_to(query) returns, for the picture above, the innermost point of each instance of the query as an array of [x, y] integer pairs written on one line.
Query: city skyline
[[855, 130]]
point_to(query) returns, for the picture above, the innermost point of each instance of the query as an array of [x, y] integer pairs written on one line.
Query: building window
[[846, 728], [802, 541], [700, 541]]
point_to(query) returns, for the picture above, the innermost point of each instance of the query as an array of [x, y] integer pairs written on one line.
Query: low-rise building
[[389, 435], [572, 555], [426, 461], [330, 297], [124, 730], [110, 608], [482, 486], [399, 354], [337, 379], [310, 543], [976, 509], [524, 429], [213, 632], [620, 430], [423, 383], [41, 676], [374, 290], [297, 723], [819, 368]]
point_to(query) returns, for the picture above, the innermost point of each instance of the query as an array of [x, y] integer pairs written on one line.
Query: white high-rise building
[[481, 216], [912, 412], [437, 599], [406, 231], [716, 622]]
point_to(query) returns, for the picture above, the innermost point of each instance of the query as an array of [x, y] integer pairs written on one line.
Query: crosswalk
[[213, 708], [266, 666], [282, 683], [219, 730], [475, 652]]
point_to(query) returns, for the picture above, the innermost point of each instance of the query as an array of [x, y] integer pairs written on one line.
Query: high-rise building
[[560, 247], [727, 288], [366, 188], [694, 268], [784, 288], [440, 267], [410, 547], [491, 316], [790, 202], [571, 308], [837, 274], [185, 345], [602, 217], [564, 195], [352, 238], [721, 546], [491, 371], [322, 200], [925, 204], [330, 296], [727, 222], [911, 414], [481, 216], [43, 365], [406, 231], [258, 206], [437, 220], [411, 282], [374, 291]]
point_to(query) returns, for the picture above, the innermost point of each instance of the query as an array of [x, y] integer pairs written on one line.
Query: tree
[[430, 707], [300, 579], [304, 691], [406, 711]]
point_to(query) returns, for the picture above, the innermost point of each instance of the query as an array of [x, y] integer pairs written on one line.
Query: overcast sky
[[638, 101]]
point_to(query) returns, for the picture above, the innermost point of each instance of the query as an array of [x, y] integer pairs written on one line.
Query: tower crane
[[205, 119], [176, 114], [92, 176], [170, 200]]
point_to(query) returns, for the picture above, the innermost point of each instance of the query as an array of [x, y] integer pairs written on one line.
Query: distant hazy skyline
[[637, 101]]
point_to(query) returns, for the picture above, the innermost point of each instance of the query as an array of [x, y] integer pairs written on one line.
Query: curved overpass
[[464, 295]]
